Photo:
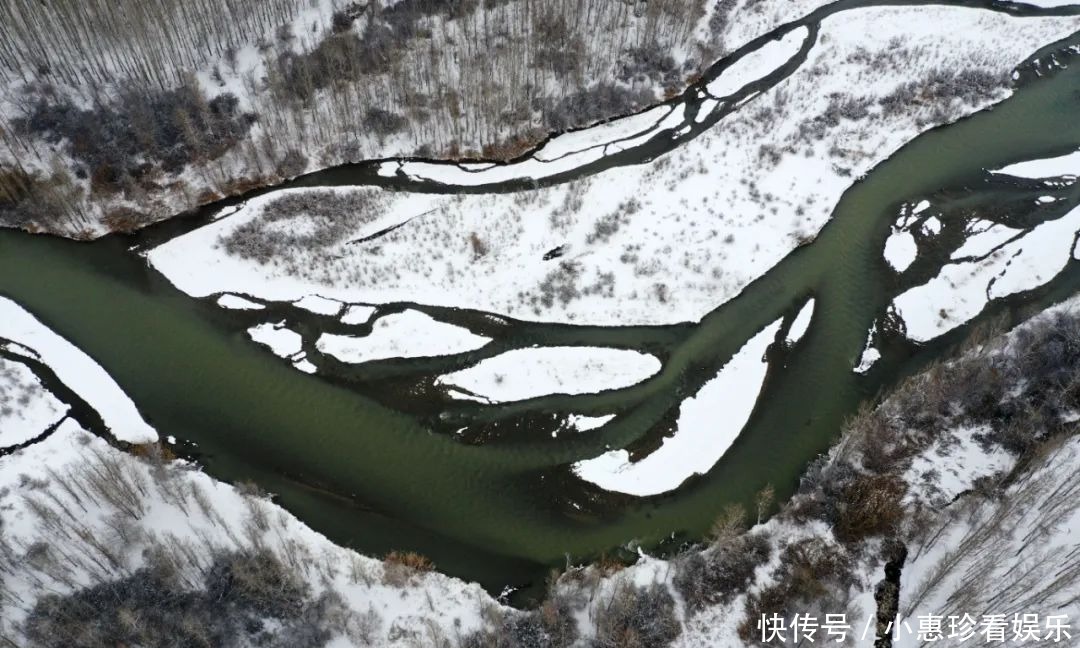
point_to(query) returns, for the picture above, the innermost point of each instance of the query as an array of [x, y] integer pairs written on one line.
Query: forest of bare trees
[[217, 96]]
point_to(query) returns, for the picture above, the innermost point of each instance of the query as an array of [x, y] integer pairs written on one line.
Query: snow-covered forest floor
[[661, 242]]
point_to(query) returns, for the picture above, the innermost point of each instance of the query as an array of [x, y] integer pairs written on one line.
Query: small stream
[[351, 458]]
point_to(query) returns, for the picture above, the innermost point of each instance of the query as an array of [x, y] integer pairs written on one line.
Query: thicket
[[300, 222], [247, 598]]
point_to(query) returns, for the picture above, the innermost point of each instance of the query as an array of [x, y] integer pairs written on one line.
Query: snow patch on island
[[901, 250], [1061, 166], [961, 290], [77, 371], [409, 334], [701, 438], [539, 371], [236, 302], [278, 338]]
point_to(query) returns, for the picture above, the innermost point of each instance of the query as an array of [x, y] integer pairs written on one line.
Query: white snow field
[[708, 424], [661, 242], [538, 371], [998, 262]]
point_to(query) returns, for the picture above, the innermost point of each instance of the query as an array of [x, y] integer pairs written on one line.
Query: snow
[[982, 238], [1047, 4], [758, 64], [409, 334], [932, 226], [538, 371], [901, 250], [701, 437], [615, 135], [961, 290], [801, 322], [952, 465], [605, 133], [429, 600], [26, 408], [583, 423], [281, 340], [306, 366], [1021, 544], [661, 242], [77, 371], [238, 303], [870, 354], [319, 305], [357, 314], [1064, 165]]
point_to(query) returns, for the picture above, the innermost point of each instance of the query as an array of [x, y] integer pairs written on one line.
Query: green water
[[376, 478]]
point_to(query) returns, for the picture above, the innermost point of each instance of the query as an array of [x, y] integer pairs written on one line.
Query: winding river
[[379, 475]]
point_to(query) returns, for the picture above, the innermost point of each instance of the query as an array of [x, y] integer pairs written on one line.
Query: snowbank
[[708, 424], [758, 64], [1064, 165], [538, 371], [801, 322], [961, 290]]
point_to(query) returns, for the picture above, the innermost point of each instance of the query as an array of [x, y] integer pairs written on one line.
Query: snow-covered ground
[[184, 509], [76, 370], [1062, 166], [1003, 262], [662, 242], [538, 371], [26, 408], [801, 322], [409, 334], [708, 424], [1014, 556]]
